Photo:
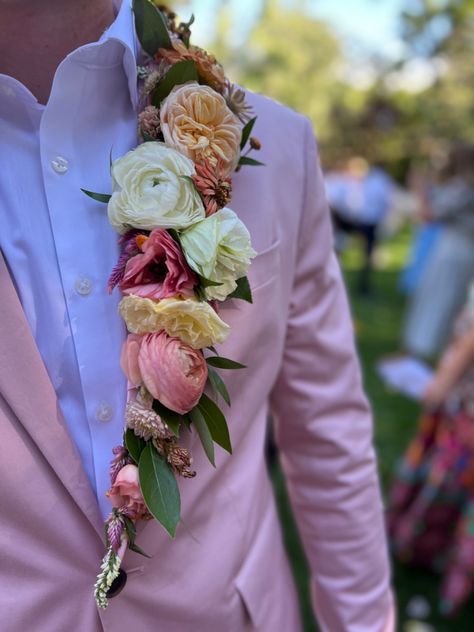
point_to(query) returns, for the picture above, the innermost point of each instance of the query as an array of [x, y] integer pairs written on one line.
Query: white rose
[[218, 248], [150, 192]]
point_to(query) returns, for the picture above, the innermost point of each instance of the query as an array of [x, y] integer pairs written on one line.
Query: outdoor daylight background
[[391, 81]]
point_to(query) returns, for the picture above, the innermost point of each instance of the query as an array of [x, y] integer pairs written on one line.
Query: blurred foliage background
[[395, 109], [400, 96]]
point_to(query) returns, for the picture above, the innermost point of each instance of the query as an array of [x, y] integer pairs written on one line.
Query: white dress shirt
[[58, 243]]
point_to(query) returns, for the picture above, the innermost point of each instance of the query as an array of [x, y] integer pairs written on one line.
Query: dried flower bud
[[255, 143]]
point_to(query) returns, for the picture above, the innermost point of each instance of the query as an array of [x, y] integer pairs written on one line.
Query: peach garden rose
[[196, 121]]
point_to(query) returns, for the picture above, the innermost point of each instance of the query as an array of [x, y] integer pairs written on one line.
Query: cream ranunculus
[[193, 321], [150, 191], [218, 248], [196, 121]]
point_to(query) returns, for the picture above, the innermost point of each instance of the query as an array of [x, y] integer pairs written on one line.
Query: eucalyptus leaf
[[245, 160], [242, 290], [203, 432], [98, 197], [218, 385], [150, 26], [134, 444], [179, 73], [159, 488], [215, 421], [224, 363], [247, 130], [172, 420]]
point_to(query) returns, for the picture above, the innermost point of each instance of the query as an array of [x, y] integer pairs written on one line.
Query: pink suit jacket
[[227, 569]]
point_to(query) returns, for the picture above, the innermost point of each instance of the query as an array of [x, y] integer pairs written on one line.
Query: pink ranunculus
[[172, 371], [125, 493], [129, 359], [160, 270]]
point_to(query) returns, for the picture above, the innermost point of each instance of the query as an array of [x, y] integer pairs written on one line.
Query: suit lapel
[[26, 387]]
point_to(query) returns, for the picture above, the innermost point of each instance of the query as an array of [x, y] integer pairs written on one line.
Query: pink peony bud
[[126, 494], [172, 371]]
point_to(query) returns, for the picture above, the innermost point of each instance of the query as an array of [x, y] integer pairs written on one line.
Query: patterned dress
[[431, 505]]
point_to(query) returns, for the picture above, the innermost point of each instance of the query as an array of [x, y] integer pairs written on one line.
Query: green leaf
[[151, 27], [203, 433], [247, 130], [207, 282], [98, 197], [242, 290], [245, 160], [214, 350], [179, 73], [130, 529], [137, 549], [147, 138], [172, 420], [218, 385], [224, 363], [159, 488], [215, 422], [134, 444]]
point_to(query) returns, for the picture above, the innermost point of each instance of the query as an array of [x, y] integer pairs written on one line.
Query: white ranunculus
[[150, 192], [218, 248]]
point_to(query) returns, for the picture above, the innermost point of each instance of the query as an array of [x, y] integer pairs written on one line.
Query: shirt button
[[104, 412], [83, 286], [60, 165]]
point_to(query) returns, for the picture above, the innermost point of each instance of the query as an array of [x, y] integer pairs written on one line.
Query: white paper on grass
[[407, 375]]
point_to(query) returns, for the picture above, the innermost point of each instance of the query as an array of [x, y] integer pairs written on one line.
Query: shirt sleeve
[[323, 429]]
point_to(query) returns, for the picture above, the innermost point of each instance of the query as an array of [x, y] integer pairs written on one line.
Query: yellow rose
[[196, 121], [193, 321]]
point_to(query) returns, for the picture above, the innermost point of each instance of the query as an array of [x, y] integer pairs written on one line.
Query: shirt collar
[[123, 30]]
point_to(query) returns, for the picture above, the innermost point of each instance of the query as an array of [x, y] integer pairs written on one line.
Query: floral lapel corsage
[[183, 250]]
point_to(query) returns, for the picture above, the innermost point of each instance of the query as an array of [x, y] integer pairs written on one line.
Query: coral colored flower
[[193, 321], [160, 270], [209, 69], [196, 121], [172, 371], [129, 359], [214, 185], [126, 494], [149, 122]]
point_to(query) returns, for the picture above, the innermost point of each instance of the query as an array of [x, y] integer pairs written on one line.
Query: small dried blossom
[[180, 460], [209, 69], [114, 527], [110, 569], [255, 143], [236, 102], [122, 458], [144, 422], [149, 122], [214, 185], [130, 248]]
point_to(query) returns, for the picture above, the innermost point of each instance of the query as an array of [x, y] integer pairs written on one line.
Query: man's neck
[[36, 35]]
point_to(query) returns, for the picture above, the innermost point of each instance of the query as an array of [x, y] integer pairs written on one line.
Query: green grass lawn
[[378, 322]]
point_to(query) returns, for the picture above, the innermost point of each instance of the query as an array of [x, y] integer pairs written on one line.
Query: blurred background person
[[449, 203], [431, 510], [360, 198]]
